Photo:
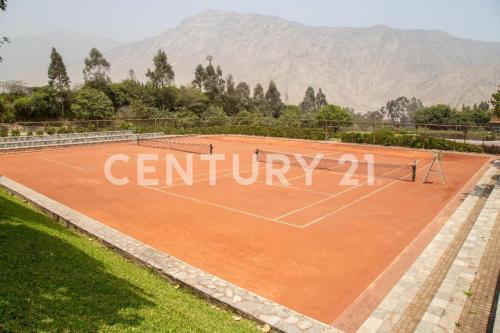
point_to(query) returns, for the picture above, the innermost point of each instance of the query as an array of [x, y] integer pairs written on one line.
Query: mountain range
[[357, 67]]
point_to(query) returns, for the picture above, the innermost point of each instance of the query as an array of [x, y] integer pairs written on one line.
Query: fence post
[[398, 126], [373, 132], [423, 136]]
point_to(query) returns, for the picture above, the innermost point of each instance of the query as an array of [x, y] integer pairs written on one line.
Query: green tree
[[7, 111], [291, 116], [495, 102], [125, 92], [214, 84], [164, 98], [411, 110], [199, 77], [334, 115], [231, 101], [308, 104], [374, 116], [320, 99], [273, 99], [475, 115], [186, 118], [192, 99], [96, 71], [41, 105], [214, 116], [210, 80], [163, 74], [436, 114], [23, 107], [247, 118], [258, 93], [45, 102], [243, 95], [396, 108], [92, 104], [58, 77], [3, 109]]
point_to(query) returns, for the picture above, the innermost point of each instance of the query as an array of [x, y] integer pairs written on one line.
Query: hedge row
[[382, 137], [284, 132], [387, 138]]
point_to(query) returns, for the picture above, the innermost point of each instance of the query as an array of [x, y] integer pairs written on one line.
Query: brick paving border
[[418, 312], [450, 302], [479, 305], [246, 303]]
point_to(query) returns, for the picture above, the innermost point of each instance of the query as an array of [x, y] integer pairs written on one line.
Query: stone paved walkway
[[418, 307], [432, 289]]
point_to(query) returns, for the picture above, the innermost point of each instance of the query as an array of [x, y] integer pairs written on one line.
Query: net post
[[414, 171], [211, 149], [257, 154]]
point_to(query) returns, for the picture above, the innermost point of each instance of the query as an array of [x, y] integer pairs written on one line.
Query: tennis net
[[403, 171], [175, 143]]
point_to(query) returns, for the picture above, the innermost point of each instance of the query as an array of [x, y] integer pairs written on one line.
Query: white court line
[[257, 181], [293, 187], [246, 167], [356, 201], [223, 207], [331, 196], [97, 167], [60, 163], [275, 220]]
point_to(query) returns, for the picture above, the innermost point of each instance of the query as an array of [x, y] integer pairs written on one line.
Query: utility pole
[[210, 58]]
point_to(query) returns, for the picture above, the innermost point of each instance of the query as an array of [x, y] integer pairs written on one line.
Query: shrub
[[246, 118], [30, 133], [92, 104], [40, 133], [3, 131], [51, 131], [388, 138], [15, 132], [214, 116], [186, 118], [125, 126], [334, 115], [23, 107], [91, 127], [285, 132], [290, 117]]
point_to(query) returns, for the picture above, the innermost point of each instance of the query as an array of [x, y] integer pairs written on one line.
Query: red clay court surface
[[316, 249]]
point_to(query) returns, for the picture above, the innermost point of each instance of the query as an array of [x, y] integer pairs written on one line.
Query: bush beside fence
[[387, 138], [443, 137], [284, 132]]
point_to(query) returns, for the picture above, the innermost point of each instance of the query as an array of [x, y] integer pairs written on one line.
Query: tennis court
[[313, 248]]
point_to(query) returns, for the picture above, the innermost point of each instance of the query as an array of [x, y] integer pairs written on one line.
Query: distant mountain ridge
[[357, 67], [27, 57]]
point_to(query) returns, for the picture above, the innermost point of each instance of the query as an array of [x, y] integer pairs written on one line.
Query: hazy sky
[[130, 20]]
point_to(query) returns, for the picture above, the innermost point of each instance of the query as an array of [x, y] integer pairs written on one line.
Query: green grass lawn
[[54, 279]]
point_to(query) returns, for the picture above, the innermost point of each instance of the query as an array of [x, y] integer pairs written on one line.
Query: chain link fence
[[480, 135]]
